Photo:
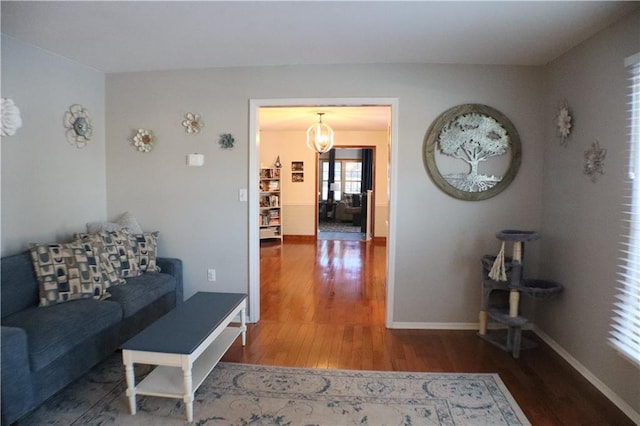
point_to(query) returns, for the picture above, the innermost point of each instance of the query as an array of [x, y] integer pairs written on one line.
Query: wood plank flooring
[[323, 306]]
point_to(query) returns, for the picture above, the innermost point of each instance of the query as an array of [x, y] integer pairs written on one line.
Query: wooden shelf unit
[[270, 207]]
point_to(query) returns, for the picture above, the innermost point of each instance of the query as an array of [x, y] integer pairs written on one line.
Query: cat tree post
[[514, 294]]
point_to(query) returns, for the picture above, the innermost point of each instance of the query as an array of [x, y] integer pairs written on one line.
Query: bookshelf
[[270, 207]]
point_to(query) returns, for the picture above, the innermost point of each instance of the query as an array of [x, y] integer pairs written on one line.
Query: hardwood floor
[[323, 306]]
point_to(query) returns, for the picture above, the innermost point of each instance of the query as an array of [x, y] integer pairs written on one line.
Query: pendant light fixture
[[320, 136]]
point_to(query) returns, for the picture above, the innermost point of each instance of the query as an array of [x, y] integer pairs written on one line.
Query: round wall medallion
[[143, 140], [78, 125], [472, 152], [11, 118], [192, 123]]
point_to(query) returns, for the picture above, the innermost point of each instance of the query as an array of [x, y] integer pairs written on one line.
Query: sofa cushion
[[66, 272], [117, 244], [54, 330], [19, 284], [145, 247], [141, 291], [355, 200]]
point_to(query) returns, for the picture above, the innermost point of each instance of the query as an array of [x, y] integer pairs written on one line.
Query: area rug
[[241, 394], [338, 227]]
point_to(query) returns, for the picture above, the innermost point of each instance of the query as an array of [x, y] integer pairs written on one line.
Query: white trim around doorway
[[253, 194]]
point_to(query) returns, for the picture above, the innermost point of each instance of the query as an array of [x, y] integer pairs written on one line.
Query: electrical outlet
[[242, 194], [211, 275]]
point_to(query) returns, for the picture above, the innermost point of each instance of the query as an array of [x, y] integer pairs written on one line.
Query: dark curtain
[[367, 169], [332, 174]]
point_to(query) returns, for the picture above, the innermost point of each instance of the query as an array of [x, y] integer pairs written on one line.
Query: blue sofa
[[46, 348]]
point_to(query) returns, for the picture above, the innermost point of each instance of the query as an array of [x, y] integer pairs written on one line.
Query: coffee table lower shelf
[[168, 382]]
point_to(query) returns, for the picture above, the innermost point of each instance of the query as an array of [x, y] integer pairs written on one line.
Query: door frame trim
[[253, 193]]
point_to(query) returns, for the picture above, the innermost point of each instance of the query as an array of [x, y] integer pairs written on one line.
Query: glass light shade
[[320, 137]]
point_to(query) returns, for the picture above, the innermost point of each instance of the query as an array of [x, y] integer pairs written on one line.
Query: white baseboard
[[613, 397], [434, 325], [448, 326]]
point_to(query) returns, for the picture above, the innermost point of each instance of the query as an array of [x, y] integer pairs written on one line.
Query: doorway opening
[[297, 156], [345, 188]]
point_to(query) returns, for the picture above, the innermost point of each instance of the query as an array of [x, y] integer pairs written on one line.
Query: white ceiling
[[123, 36], [376, 118], [150, 35]]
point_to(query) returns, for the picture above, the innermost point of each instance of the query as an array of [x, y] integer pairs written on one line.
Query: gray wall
[[439, 239], [581, 219], [50, 189]]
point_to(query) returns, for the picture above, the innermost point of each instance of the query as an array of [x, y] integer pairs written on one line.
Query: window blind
[[625, 327]]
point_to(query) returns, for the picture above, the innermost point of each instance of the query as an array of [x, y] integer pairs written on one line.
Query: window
[[348, 178], [352, 178], [625, 330]]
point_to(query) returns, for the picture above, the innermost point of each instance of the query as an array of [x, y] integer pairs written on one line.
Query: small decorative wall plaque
[[11, 119], [143, 140], [192, 123], [226, 141], [563, 122], [297, 166], [78, 125], [297, 177], [594, 161]]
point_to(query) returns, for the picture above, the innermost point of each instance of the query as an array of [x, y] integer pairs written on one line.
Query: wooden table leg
[[243, 324], [131, 382], [188, 392]]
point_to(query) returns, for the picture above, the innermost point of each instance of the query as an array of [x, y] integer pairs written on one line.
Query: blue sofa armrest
[[17, 385], [173, 266]]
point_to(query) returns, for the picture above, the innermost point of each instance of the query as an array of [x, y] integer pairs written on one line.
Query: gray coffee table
[[185, 344]]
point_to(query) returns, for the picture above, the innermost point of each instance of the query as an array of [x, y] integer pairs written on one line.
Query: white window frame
[[340, 179]]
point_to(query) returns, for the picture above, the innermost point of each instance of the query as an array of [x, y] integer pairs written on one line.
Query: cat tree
[[502, 285]]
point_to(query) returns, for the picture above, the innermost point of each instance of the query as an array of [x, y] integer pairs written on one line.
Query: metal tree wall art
[[594, 161], [11, 119], [473, 138], [78, 125], [472, 151]]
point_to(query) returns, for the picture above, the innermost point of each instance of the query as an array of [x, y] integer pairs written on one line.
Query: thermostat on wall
[[195, 160]]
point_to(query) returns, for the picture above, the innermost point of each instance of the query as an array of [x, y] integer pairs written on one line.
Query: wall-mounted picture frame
[[297, 177], [297, 166], [472, 152]]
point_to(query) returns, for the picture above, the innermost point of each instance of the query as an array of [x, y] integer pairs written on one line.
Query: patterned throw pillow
[[145, 247], [118, 246], [66, 272], [110, 275]]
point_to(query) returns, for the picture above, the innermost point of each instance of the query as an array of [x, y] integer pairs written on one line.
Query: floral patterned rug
[[241, 394]]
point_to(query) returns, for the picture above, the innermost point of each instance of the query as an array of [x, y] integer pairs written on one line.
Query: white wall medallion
[[143, 140], [226, 141], [563, 122], [594, 161], [11, 119], [192, 123], [78, 125]]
